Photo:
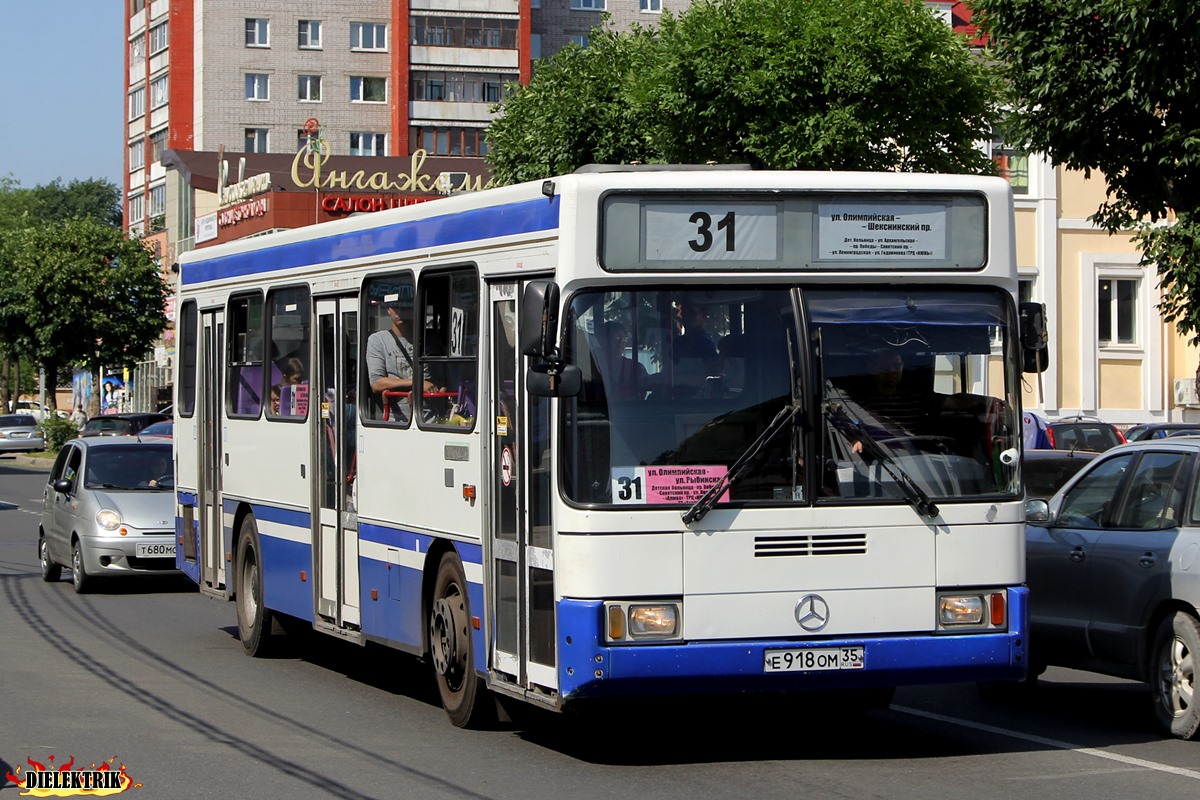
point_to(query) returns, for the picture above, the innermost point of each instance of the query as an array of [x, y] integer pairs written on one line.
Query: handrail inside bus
[[392, 394]]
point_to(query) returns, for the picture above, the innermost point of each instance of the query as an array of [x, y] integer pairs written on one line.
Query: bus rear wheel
[[255, 625], [451, 648]]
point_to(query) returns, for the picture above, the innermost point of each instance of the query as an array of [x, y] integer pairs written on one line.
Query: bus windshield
[[901, 394]]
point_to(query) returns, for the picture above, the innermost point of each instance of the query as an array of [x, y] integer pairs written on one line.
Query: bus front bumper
[[589, 668]]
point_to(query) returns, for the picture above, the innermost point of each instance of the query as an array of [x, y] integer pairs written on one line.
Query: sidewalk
[[45, 462]]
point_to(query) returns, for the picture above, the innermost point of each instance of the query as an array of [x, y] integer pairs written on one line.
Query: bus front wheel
[[451, 647], [255, 625]]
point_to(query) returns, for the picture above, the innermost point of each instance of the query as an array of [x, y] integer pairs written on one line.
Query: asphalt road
[[151, 674]]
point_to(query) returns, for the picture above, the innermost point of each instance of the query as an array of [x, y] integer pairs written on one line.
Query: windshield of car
[[103, 425], [1045, 476], [133, 467], [158, 429], [678, 386], [17, 421], [1094, 436]]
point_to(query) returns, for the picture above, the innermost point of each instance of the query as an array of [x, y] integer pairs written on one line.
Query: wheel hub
[[444, 640]]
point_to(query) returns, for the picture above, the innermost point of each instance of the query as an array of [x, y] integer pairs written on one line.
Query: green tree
[[80, 292], [93, 198], [1112, 86], [852, 84]]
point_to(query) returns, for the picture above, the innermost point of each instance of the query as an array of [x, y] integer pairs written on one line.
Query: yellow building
[[1111, 354]]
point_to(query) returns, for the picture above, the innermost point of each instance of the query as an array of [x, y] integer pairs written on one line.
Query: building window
[[158, 200], [535, 3], [368, 144], [256, 140], [310, 88], [941, 11], [651, 6], [258, 86], [137, 208], [258, 33], [137, 102], [135, 6], [1116, 311], [580, 39], [158, 39], [158, 143], [137, 52], [1013, 166], [368, 36], [587, 5], [158, 92], [467, 142], [535, 46], [460, 87], [368, 90], [310, 34], [490, 33], [137, 155]]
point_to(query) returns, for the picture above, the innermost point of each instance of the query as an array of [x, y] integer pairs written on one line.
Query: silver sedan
[[109, 510], [19, 433]]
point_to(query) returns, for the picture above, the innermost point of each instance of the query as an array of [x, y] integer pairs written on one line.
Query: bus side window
[[449, 347]]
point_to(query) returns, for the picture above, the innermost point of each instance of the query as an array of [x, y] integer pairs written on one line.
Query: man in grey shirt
[[390, 360]]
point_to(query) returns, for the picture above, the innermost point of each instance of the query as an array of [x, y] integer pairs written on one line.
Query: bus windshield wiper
[[848, 427], [709, 498]]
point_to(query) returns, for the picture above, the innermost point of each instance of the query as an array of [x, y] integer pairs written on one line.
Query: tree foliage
[[1112, 86], [80, 292], [852, 84]]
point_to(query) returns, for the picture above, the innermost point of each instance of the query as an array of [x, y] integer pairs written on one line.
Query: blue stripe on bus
[[283, 588], [526, 216], [737, 665], [283, 516], [407, 540]]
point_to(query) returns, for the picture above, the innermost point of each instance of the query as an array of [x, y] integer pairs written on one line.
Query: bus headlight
[[625, 621], [657, 621], [961, 609], [108, 520]]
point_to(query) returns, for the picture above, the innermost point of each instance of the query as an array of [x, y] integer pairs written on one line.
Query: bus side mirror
[[539, 319], [1035, 349]]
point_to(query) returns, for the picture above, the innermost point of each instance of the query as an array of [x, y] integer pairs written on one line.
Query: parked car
[[19, 433], [165, 429], [1161, 430], [108, 510], [1046, 471], [32, 408], [1083, 433], [119, 424], [1113, 573]]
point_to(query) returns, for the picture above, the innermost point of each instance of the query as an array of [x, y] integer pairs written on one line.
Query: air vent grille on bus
[[815, 544]]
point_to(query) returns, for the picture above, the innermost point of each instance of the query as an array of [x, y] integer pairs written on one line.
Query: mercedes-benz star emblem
[[812, 612]]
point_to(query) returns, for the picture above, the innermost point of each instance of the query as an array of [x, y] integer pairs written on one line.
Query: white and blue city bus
[[665, 431]]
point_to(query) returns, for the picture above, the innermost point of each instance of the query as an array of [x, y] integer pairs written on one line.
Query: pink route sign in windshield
[[665, 485]]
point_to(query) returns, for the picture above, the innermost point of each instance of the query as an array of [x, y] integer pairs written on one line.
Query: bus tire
[[451, 647], [255, 625], [1174, 656]]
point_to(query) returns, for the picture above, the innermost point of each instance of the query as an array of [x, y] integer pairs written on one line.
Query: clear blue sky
[[61, 95]]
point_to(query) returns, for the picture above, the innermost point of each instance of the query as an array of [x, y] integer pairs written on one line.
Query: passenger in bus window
[[292, 371], [624, 377], [390, 366]]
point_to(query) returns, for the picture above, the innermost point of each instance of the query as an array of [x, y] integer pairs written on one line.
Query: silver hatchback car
[[1113, 567], [109, 510]]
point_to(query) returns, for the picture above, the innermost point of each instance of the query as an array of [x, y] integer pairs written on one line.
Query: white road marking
[[1028, 737]]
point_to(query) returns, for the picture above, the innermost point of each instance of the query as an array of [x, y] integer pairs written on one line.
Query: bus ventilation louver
[[819, 544]]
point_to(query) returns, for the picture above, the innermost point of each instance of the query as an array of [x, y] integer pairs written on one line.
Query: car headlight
[[961, 609], [108, 520]]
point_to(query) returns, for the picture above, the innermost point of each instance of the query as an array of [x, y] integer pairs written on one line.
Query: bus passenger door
[[212, 374], [335, 561], [520, 538]]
